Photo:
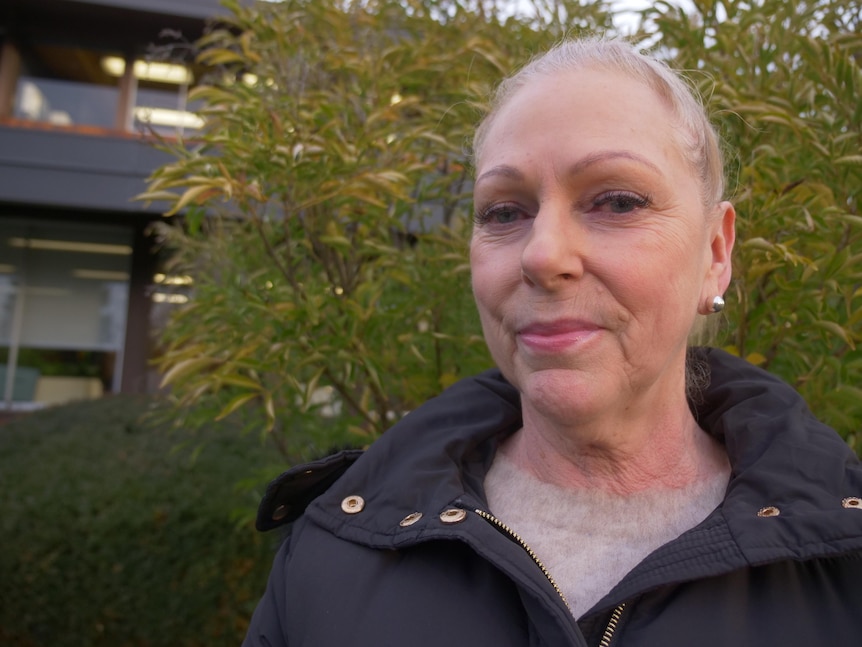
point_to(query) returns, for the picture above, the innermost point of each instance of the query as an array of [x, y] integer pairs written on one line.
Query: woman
[[574, 497]]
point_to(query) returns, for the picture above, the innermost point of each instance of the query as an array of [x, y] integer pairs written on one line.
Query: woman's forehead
[[586, 111]]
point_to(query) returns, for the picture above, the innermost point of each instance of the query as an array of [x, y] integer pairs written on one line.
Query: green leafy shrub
[[783, 81], [327, 209], [326, 203], [112, 538]]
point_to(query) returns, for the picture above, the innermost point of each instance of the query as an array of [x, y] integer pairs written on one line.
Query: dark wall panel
[[57, 168]]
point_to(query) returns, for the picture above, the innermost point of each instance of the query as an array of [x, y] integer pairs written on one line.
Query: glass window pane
[[65, 103], [66, 86], [72, 284]]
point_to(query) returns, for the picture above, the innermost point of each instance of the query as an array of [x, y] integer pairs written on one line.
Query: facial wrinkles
[[527, 158], [687, 140]]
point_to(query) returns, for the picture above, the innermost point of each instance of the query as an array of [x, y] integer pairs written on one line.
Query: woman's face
[[592, 252]]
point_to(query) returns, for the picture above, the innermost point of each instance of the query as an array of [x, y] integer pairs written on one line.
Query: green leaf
[[194, 194], [186, 368], [835, 329], [235, 404]]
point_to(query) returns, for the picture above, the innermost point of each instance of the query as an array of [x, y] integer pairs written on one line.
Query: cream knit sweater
[[589, 539]]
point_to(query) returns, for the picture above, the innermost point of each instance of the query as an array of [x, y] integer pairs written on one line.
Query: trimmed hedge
[[111, 537]]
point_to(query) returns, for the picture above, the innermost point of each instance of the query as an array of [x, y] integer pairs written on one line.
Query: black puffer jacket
[[401, 550]]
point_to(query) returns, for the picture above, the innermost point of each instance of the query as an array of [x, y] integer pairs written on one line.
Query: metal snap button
[[353, 504], [453, 515], [852, 502], [279, 513], [768, 511], [410, 519]]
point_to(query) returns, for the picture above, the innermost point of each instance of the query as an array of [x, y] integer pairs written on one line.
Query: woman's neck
[[621, 456]]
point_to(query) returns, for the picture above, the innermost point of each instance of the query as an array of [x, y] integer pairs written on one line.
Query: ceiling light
[[163, 297], [47, 292], [166, 279], [114, 65], [70, 246], [100, 275], [167, 117], [149, 70]]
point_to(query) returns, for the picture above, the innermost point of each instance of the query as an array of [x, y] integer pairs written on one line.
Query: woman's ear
[[722, 232]]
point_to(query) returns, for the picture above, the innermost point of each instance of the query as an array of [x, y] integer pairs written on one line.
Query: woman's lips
[[556, 336]]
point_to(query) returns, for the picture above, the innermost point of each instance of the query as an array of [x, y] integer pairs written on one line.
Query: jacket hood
[[792, 492]]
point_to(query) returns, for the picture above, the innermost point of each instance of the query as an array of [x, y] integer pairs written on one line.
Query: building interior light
[[100, 275], [165, 279], [164, 297], [168, 117], [70, 246], [149, 70]]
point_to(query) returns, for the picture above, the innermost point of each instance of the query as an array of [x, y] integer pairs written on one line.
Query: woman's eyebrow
[[604, 156], [503, 170], [512, 173]]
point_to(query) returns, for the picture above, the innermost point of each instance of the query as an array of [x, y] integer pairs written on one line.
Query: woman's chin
[[564, 393]]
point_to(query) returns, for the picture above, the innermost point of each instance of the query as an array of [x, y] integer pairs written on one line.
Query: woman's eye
[[501, 214], [620, 202]]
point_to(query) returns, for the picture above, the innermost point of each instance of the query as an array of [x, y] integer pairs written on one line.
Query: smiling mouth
[[557, 336]]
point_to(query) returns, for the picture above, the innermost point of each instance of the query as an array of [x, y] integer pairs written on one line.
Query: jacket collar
[[792, 490], [795, 482], [428, 459], [437, 456]]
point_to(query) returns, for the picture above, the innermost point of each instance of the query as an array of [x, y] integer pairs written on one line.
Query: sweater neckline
[[590, 539]]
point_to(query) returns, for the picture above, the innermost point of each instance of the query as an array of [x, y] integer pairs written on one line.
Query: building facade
[[83, 87]]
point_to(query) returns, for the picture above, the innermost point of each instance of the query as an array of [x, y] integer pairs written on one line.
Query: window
[[64, 294], [79, 87], [65, 87]]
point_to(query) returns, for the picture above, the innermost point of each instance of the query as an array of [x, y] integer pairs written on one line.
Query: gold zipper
[[612, 626], [489, 517], [615, 616]]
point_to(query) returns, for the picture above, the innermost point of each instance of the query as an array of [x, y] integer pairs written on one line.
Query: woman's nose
[[553, 251]]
